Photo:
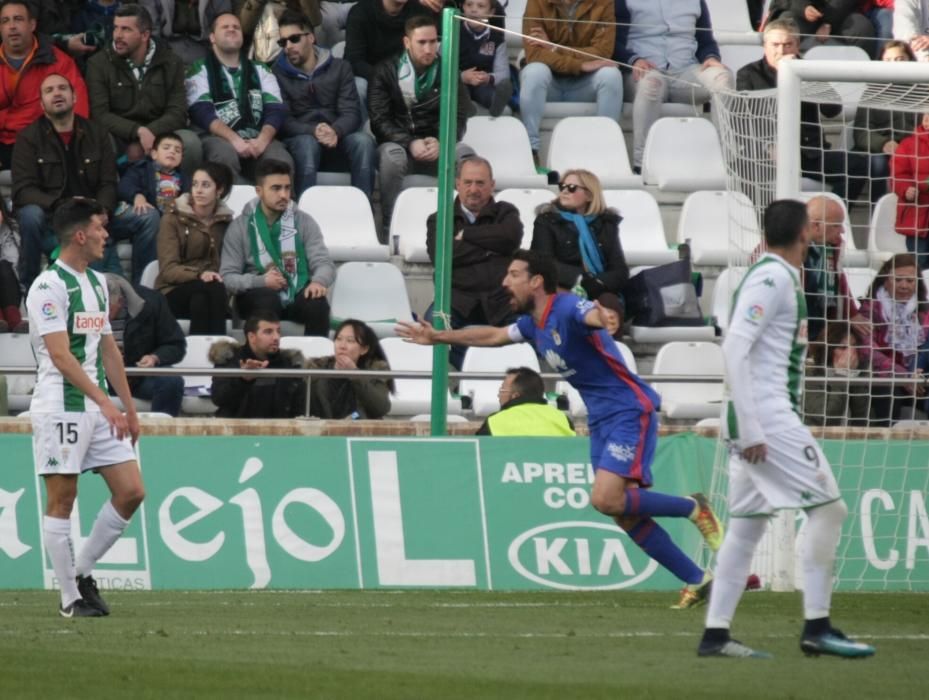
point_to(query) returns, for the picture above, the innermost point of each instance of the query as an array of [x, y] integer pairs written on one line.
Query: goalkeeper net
[[874, 431]]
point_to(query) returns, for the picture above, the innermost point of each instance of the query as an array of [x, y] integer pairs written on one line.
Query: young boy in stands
[[155, 181]]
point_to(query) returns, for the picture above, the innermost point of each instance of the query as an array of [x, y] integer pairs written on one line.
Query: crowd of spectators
[[157, 109]]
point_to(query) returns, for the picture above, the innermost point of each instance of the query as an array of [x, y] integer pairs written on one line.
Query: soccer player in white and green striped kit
[[75, 426], [775, 462]]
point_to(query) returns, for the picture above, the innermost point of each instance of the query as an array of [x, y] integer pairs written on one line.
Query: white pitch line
[[450, 635]]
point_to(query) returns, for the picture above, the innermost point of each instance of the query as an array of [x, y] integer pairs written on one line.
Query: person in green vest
[[524, 410]]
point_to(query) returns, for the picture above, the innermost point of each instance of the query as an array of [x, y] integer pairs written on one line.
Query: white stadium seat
[[883, 239], [725, 286], [197, 387], [412, 396], [859, 280], [408, 222], [308, 345], [239, 196], [504, 142], [683, 155], [641, 232], [596, 144], [16, 351], [691, 401], [483, 392], [346, 221], [527, 201], [373, 292], [721, 226], [149, 275]]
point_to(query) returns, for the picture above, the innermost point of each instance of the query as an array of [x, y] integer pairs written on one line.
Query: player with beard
[[574, 337]]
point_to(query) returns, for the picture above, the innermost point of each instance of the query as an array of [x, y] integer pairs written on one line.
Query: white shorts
[[794, 475], [73, 443]]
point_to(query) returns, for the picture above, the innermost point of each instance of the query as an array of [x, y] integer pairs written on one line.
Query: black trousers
[[9, 286], [204, 303], [312, 313]]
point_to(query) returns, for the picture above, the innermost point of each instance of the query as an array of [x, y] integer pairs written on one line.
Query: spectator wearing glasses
[[524, 410], [582, 235], [323, 124]]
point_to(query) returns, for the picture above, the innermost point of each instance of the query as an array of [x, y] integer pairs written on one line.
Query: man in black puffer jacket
[[149, 336], [262, 397], [403, 102]]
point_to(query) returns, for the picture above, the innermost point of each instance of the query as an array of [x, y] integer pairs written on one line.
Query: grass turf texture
[[419, 644]]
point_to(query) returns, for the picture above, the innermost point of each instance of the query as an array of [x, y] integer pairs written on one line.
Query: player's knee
[[130, 500], [60, 505], [835, 512], [608, 502]]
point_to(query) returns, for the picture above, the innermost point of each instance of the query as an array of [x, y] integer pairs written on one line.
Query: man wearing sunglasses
[[323, 124], [235, 102]]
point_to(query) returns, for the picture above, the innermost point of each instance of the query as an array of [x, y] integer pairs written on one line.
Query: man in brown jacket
[[568, 72]]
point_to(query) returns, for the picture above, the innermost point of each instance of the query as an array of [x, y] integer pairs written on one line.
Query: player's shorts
[[73, 443], [794, 475], [625, 445]]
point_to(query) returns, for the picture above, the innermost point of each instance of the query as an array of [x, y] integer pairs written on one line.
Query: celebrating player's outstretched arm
[[423, 333]]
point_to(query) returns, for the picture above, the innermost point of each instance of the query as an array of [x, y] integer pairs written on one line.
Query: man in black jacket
[[374, 32], [486, 233], [261, 397], [845, 172], [323, 124], [136, 87], [63, 155], [404, 106], [149, 336]]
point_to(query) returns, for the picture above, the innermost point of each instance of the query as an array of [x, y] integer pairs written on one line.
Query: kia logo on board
[[580, 555]]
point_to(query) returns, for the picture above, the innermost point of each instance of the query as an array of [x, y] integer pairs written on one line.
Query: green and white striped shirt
[[62, 299], [765, 349]]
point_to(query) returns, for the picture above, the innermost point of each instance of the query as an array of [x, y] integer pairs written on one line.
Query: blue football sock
[[650, 504], [656, 543]]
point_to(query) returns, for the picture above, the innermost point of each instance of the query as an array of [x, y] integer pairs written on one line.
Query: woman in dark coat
[[582, 235]]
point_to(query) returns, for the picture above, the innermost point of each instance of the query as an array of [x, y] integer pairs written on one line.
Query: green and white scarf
[[413, 86], [276, 246], [138, 72]]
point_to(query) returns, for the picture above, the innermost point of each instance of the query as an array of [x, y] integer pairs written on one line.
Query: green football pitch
[[449, 644]]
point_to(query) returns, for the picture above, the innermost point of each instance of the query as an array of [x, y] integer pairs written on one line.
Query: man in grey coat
[[274, 257]]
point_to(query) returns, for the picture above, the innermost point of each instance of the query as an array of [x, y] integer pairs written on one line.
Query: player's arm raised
[[423, 333], [116, 373], [59, 350], [601, 317]]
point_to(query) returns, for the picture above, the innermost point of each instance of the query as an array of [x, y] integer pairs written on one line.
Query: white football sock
[[732, 569], [823, 530], [108, 526], [60, 550]]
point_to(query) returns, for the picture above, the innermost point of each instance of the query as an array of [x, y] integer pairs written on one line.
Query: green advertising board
[[483, 513]]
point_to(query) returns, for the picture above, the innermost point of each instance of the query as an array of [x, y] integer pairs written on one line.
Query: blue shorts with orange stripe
[[625, 445]]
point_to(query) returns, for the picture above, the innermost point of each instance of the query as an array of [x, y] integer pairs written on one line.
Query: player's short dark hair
[[72, 215], [266, 315], [418, 22], [143, 19], [270, 166], [169, 136], [539, 264], [527, 383], [30, 10], [293, 18], [784, 221], [219, 174]]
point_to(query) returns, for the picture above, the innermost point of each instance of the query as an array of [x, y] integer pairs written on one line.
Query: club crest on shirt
[[556, 338]]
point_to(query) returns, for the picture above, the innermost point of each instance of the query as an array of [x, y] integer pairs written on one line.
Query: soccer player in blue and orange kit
[[574, 337]]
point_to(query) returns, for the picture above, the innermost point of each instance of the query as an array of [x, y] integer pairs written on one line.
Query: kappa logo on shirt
[[87, 322]]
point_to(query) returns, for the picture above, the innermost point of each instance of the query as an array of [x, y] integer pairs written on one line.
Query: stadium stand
[[197, 387], [725, 286], [373, 292], [504, 142], [691, 401], [345, 218], [483, 392], [527, 201], [641, 232], [683, 155], [595, 144], [408, 223], [704, 223], [883, 239], [412, 396]]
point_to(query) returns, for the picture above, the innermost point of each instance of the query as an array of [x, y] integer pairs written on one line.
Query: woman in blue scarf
[[582, 235]]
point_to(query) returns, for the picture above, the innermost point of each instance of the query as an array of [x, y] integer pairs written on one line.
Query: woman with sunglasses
[[582, 236]]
